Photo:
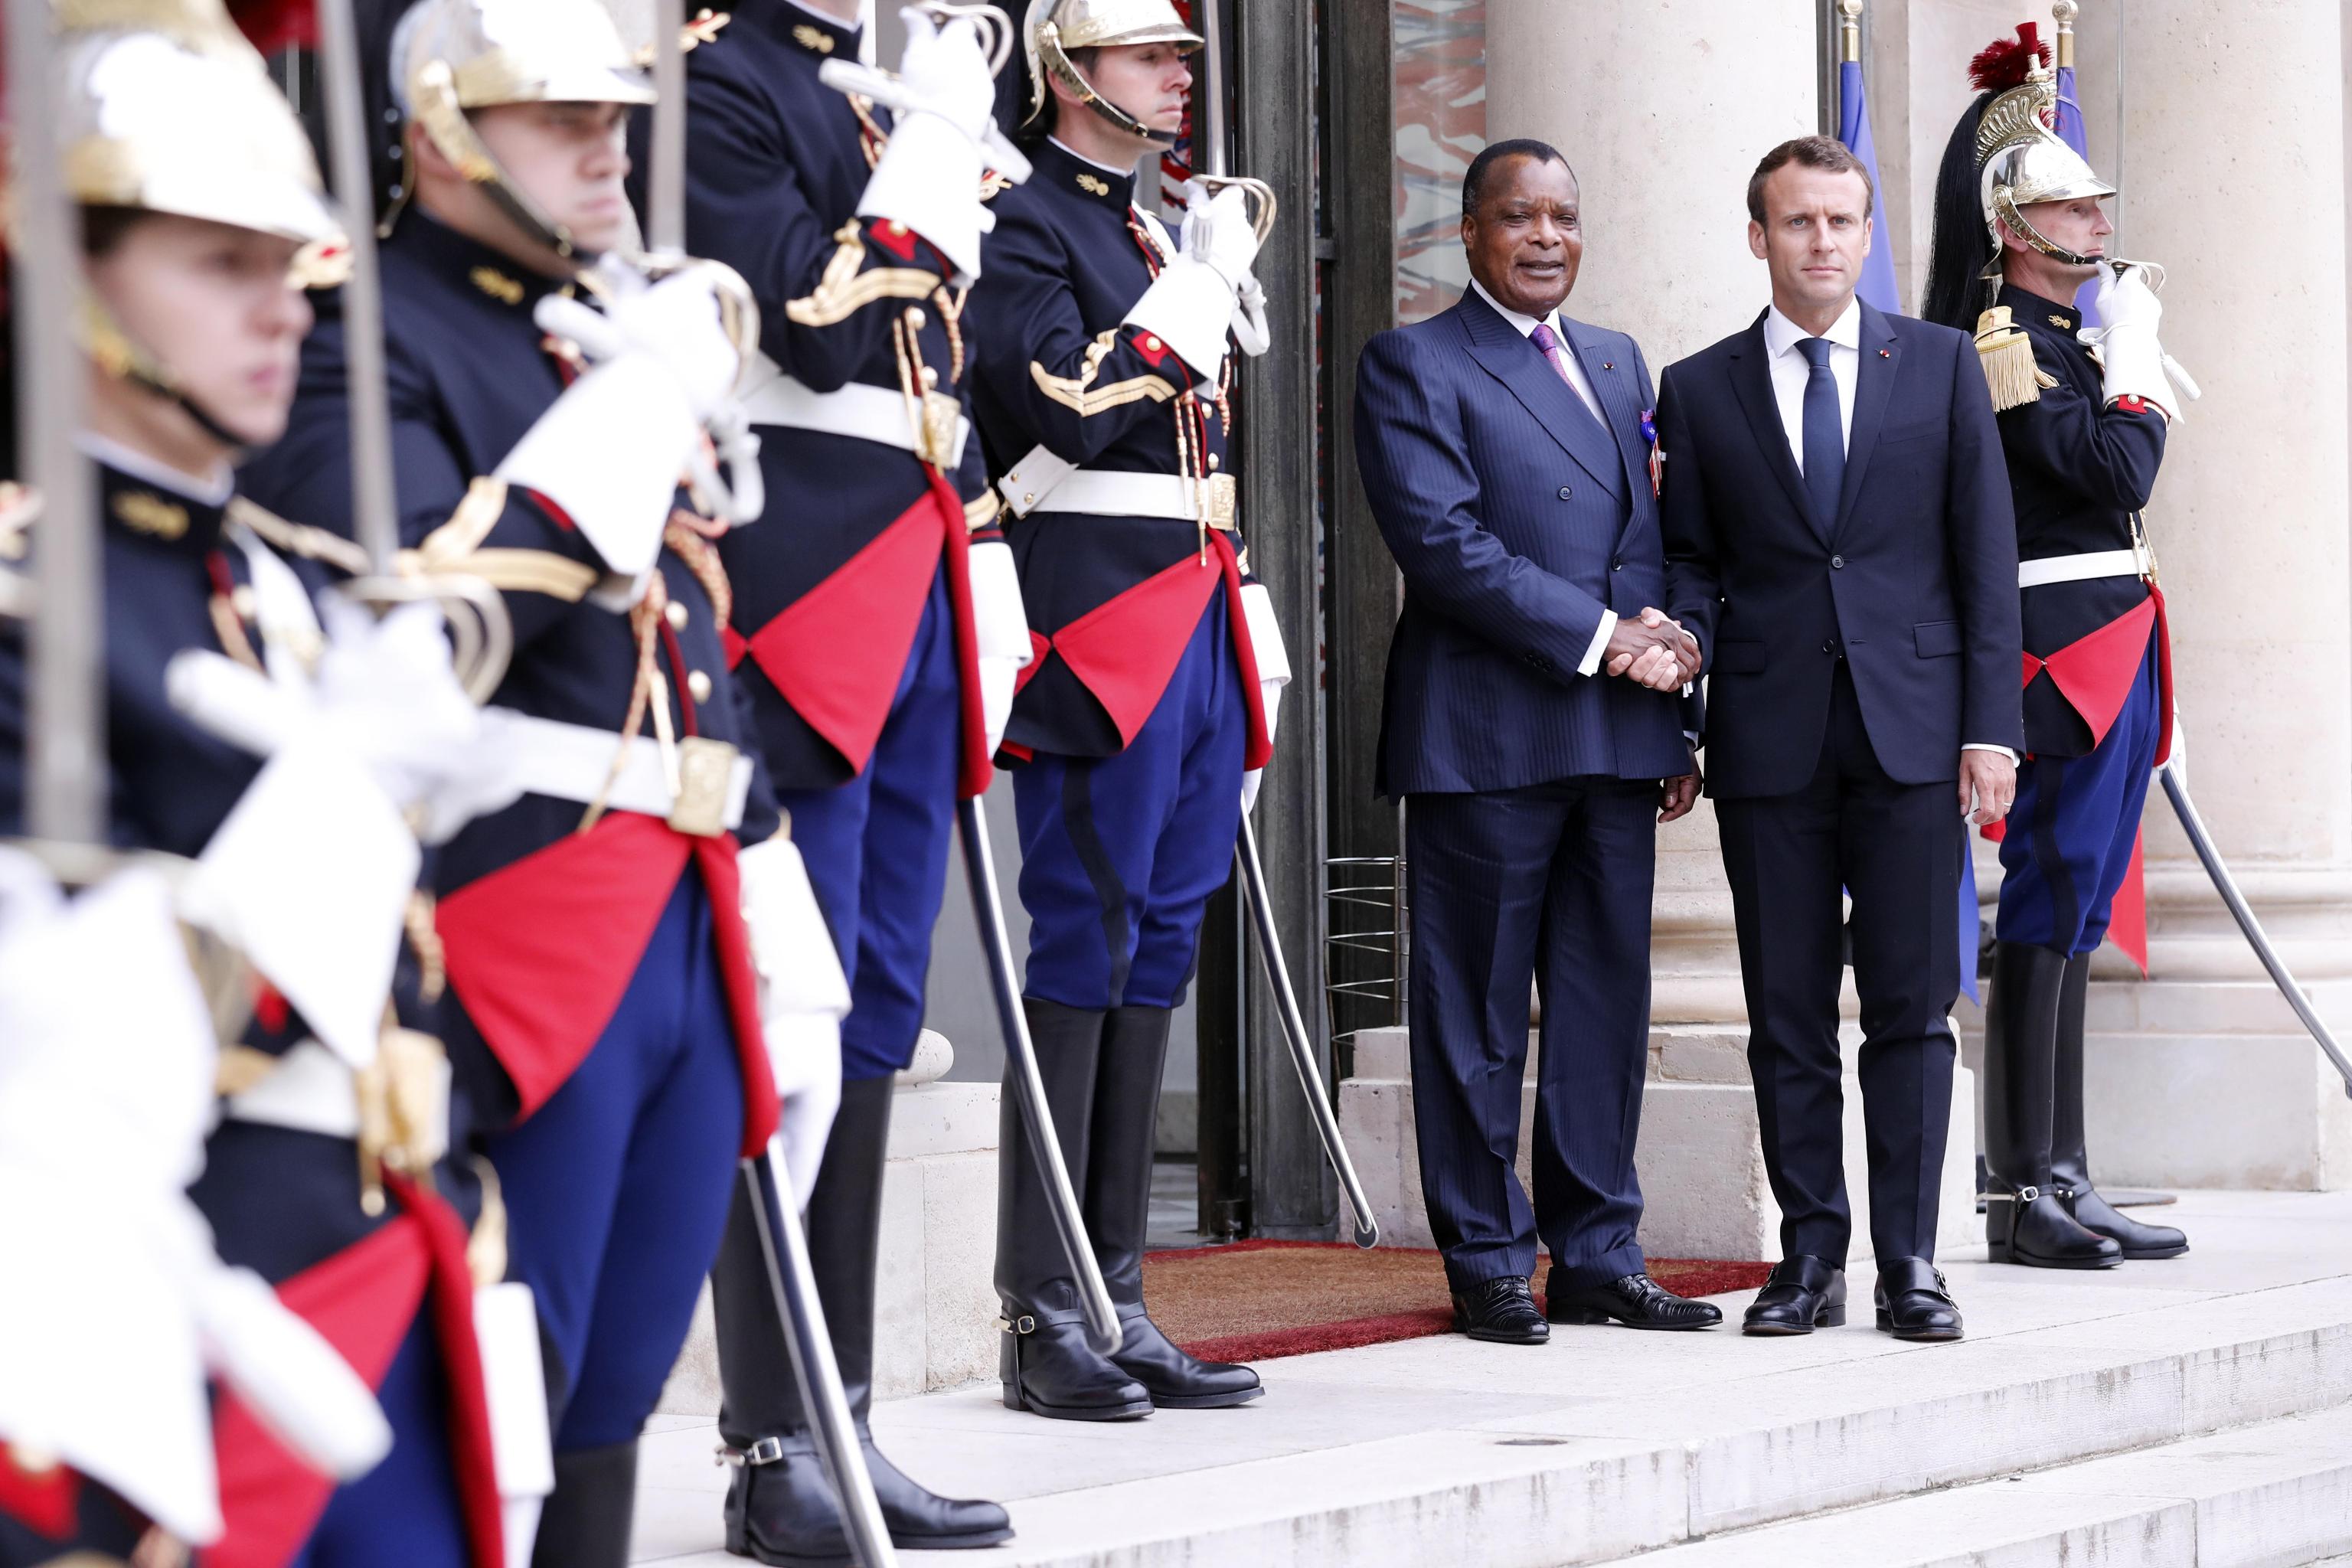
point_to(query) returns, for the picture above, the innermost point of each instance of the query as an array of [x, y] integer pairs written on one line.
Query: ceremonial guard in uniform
[[640, 986], [877, 626], [2083, 415], [336, 1171], [1102, 398]]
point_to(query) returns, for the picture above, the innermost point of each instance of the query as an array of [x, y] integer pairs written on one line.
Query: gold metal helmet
[[451, 57], [2020, 161], [185, 120], [1056, 27]]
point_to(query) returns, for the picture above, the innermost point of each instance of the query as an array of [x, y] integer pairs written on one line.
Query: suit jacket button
[[1837, 563], [1829, 645], [1616, 566], [1566, 493]]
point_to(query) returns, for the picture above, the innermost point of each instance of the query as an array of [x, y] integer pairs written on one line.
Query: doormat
[[1257, 1300]]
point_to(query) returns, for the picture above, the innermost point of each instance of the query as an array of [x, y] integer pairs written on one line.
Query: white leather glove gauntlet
[[613, 449], [803, 996], [1001, 625], [1190, 305], [928, 178], [2133, 362], [117, 1302], [1272, 670]]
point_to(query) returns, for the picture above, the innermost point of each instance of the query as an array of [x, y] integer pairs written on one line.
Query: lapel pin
[[1884, 354], [1609, 364]]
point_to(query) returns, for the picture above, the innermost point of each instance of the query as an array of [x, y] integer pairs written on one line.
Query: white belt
[[2051, 569], [574, 762], [865, 413], [1101, 493]]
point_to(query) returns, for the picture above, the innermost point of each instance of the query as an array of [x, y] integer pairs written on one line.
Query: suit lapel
[[1751, 379], [1881, 355], [1519, 365], [1610, 382]]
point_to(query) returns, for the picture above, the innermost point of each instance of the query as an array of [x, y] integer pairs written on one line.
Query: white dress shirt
[[1791, 370], [1526, 327]]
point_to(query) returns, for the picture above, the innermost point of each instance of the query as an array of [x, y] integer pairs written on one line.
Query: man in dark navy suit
[[1531, 725], [1839, 539]]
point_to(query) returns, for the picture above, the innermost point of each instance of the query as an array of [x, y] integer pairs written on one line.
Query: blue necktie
[[1824, 433]]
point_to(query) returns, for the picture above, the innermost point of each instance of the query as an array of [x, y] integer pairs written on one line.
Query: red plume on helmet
[[278, 24], [2003, 63]]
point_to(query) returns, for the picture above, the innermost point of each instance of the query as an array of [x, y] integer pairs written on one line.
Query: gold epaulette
[[298, 538], [2007, 355]]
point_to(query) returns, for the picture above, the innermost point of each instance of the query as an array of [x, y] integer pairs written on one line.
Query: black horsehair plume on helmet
[[1962, 246]]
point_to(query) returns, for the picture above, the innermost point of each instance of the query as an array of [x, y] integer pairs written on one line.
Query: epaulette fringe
[[2007, 355]]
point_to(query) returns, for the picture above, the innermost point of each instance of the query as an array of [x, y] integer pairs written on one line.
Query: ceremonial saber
[[783, 1246], [2177, 792], [374, 522], [65, 742], [1103, 1330], [1213, 160], [1293, 1032]]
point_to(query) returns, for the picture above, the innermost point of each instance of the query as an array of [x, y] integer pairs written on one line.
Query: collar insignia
[[2061, 322], [815, 38], [143, 512], [1094, 185], [497, 285]]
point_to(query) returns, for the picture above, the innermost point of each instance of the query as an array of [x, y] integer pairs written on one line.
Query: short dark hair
[[1824, 153], [1474, 182]]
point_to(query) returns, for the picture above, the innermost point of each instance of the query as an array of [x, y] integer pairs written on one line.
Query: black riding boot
[[1043, 1359], [780, 1507], [2070, 1162], [1118, 1211], [585, 1521], [2024, 1222]]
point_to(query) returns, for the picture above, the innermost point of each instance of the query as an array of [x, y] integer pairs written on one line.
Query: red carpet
[[1257, 1301]]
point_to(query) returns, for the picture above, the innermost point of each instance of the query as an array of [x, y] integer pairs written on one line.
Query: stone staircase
[[2193, 1412]]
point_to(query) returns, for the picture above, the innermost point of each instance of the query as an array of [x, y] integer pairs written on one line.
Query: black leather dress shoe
[[2095, 1214], [1636, 1300], [1176, 1379], [1502, 1311], [1803, 1294], [1914, 1302]]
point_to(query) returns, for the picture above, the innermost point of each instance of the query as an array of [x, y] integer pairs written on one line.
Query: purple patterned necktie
[[1556, 354]]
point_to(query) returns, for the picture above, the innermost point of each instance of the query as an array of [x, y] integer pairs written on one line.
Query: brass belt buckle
[[705, 779], [942, 416], [1220, 502]]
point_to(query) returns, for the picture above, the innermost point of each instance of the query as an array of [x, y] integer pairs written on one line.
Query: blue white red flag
[[1877, 286]]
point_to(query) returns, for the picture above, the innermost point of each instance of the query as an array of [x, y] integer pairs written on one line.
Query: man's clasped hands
[[1653, 651]]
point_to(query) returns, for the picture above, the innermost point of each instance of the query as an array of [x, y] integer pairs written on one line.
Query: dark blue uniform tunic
[[2096, 711], [601, 966], [1134, 727]]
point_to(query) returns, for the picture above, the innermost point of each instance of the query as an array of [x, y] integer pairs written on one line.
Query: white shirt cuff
[[1590, 663], [1983, 746]]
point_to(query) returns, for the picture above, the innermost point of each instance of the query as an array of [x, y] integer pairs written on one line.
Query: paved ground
[[1393, 1422]]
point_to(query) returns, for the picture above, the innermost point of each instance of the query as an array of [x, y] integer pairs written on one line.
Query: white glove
[[1001, 628], [613, 449], [928, 178], [803, 996], [1272, 670], [1250, 329], [1190, 305], [106, 1091], [2133, 362]]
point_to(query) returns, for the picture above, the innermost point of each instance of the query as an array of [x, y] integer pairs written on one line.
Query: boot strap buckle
[[2028, 1193], [766, 1451], [1023, 1324]]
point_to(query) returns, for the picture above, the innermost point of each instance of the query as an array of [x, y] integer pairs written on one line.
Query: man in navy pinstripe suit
[[1530, 724]]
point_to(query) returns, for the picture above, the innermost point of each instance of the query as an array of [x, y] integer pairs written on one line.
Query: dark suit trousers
[[1549, 884], [1896, 848]]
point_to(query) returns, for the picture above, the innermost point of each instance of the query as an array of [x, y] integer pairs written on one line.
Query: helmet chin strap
[[435, 91], [1065, 71], [2006, 212], [126, 360]]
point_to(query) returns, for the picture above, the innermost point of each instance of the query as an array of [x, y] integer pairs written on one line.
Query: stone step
[[2277, 1493], [1607, 1443]]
